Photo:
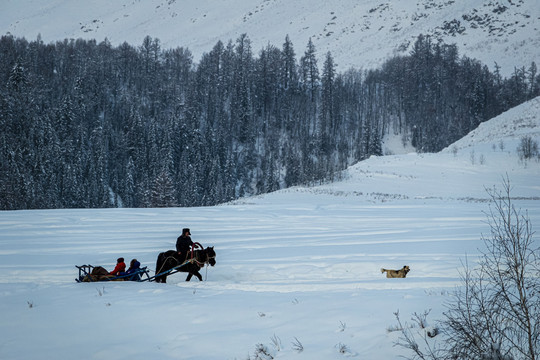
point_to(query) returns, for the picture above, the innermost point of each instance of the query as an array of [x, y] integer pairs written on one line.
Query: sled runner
[[168, 263], [90, 273]]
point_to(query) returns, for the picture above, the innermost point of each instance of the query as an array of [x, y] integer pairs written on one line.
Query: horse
[[169, 259]]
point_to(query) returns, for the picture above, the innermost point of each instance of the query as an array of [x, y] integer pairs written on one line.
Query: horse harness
[[195, 259], [201, 263]]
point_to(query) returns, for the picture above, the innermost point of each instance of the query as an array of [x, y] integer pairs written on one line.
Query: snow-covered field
[[298, 271]]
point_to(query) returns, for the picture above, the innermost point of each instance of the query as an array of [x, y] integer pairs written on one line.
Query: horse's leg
[[189, 276], [198, 275]]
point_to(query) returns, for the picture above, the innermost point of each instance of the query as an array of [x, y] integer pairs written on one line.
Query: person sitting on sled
[[184, 243], [134, 265], [120, 267]]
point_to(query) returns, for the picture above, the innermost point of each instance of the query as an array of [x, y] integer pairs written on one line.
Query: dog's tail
[[382, 270]]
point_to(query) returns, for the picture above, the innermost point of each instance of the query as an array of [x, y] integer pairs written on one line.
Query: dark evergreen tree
[[162, 192], [87, 124], [310, 71]]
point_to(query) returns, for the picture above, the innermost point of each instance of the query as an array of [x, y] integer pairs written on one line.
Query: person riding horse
[[183, 259], [184, 244], [171, 260]]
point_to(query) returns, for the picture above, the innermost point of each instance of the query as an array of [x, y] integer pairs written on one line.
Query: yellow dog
[[401, 273]]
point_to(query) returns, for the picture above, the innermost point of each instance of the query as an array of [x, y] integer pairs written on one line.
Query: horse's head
[[211, 255]]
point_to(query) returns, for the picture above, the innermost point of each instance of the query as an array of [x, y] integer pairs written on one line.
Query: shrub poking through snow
[[297, 345]]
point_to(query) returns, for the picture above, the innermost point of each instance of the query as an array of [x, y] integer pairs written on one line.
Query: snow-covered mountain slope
[[360, 34]]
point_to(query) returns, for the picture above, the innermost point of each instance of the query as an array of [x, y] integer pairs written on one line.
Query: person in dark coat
[[184, 243], [134, 266]]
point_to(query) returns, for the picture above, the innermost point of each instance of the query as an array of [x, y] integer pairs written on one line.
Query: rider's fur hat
[[184, 230]]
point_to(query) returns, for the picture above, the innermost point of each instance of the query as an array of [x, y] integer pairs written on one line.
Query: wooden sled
[[89, 273]]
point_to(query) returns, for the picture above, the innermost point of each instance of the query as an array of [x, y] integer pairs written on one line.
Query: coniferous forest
[[88, 124]]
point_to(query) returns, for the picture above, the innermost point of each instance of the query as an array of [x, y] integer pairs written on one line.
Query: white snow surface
[[296, 267], [360, 34]]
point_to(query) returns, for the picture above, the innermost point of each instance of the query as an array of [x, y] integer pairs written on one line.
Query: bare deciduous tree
[[495, 314], [528, 148]]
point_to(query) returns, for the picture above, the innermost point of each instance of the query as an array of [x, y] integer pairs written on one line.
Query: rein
[[201, 264], [164, 262]]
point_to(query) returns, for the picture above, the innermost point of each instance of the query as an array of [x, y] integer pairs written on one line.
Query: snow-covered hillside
[[297, 271], [360, 34], [510, 126]]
